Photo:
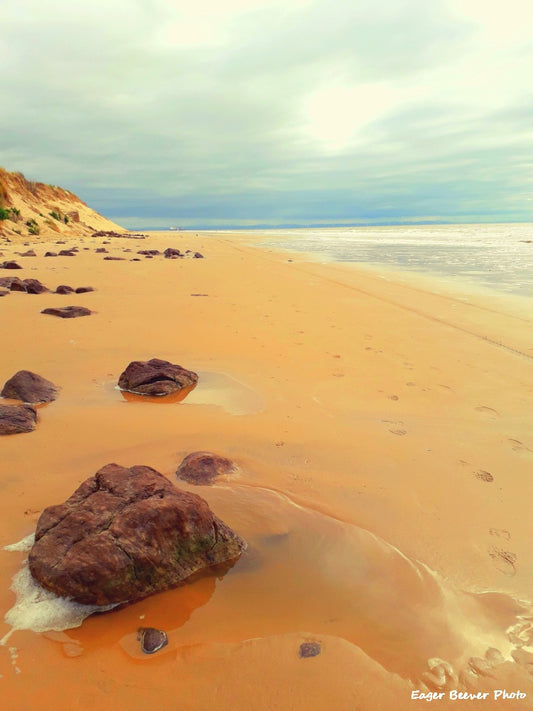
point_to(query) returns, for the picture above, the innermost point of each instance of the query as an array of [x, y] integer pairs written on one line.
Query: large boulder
[[204, 467], [30, 286], [156, 377], [15, 419], [29, 387], [125, 534]]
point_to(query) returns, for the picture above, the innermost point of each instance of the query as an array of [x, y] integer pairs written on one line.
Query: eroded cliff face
[[32, 211]]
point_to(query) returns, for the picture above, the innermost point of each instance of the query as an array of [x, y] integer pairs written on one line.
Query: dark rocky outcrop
[[84, 289], [125, 534], [156, 377], [67, 252], [67, 311], [50, 254], [10, 264], [204, 467], [29, 387], [17, 418]]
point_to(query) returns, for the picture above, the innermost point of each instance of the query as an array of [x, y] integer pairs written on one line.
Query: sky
[[218, 113]]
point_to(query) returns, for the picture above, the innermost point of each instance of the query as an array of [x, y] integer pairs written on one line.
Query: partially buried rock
[[10, 265], [204, 467], [29, 387], [309, 649], [151, 639], [125, 534], [15, 419], [84, 289], [68, 311], [156, 377]]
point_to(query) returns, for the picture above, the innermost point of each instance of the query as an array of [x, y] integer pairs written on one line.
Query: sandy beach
[[382, 432]]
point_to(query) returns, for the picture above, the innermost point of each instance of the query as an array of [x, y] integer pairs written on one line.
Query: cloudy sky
[[239, 112]]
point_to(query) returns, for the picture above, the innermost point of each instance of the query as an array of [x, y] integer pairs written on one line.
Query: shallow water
[[496, 256]]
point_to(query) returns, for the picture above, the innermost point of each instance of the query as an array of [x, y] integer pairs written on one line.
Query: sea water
[[497, 256]]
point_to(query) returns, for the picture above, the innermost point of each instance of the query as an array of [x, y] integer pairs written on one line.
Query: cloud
[[261, 110]]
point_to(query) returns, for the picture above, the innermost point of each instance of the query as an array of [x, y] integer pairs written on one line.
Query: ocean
[[497, 256]]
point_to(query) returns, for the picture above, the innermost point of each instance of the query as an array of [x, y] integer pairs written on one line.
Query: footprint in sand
[[482, 475], [519, 447], [500, 533], [487, 412], [396, 430], [401, 433], [504, 561]]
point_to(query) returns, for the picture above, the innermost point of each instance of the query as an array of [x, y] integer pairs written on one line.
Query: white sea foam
[[38, 609]]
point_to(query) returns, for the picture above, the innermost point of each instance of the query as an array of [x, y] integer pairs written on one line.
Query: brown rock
[[64, 289], [204, 467], [198, 255], [10, 265], [29, 387], [84, 289], [151, 639], [9, 281], [4, 292], [156, 377], [125, 534], [68, 311], [30, 286], [50, 254], [171, 253], [28, 253], [17, 418], [114, 259], [101, 250]]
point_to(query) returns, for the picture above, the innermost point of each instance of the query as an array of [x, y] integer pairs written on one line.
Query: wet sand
[[382, 430]]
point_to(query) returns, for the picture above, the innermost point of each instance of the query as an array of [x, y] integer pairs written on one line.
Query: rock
[[156, 377], [28, 253], [9, 281], [30, 286], [125, 534], [310, 649], [64, 289], [101, 250], [67, 253], [151, 639], [50, 254], [10, 265], [171, 253], [84, 289], [17, 418], [204, 467], [149, 252], [115, 259], [4, 292], [68, 311], [29, 387], [198, 255]]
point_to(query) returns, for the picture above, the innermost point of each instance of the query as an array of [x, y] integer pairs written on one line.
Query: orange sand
[[383, 436]]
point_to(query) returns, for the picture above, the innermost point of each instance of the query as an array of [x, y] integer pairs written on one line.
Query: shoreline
[[390, 423]]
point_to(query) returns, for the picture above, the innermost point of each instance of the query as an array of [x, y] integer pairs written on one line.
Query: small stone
[[309, 649], [67, 253], [204, 467], [10, 265], [84, 289], [64, 289], [151, 639]]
